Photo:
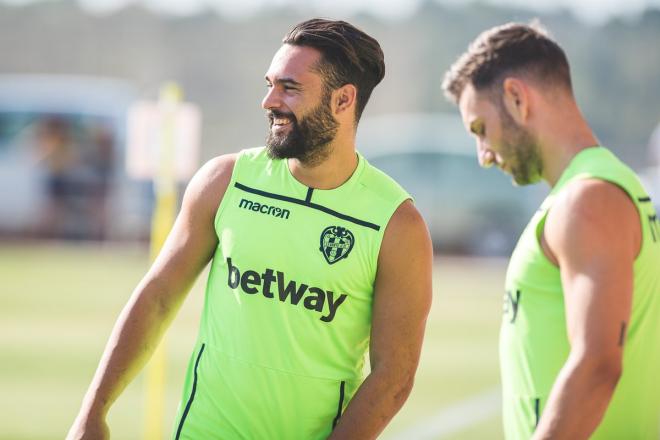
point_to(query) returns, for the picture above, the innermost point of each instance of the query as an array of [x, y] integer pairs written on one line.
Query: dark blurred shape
[[469, 210], [78, 172], [54, 149], [103, 164], [62, 142]]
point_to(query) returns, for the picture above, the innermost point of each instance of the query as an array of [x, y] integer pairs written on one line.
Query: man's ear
[[516, 99], [344, 99]]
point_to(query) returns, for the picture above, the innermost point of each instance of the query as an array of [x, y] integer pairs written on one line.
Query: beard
[[522, 152], [307, 140]]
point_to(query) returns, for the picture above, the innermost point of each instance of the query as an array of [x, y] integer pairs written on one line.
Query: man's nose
[[271, 100], [485, 155]]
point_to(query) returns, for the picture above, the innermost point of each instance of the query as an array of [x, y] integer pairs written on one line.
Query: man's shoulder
[[591, 194], [591, 210], [218, 168], [210, 183], [407, 218]]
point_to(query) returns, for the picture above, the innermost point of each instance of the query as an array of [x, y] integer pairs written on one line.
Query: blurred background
[[74, 226]]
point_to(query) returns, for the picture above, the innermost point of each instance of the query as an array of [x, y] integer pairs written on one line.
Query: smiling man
[[315, 255], [580, 337]]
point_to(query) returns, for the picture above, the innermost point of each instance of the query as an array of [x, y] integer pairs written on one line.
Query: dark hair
[[349, 56], [512, 48]]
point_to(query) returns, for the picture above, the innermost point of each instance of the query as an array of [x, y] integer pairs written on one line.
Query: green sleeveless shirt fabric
[[287, 312], [533, 339]]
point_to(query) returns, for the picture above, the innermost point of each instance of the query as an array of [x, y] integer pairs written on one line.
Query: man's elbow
[[604, 369], [398, 384], [404, 389], [610, 372]]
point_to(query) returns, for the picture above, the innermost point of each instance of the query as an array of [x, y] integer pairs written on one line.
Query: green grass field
[[58, 304]]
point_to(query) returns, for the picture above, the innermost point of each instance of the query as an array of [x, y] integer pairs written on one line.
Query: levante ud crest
[[336, 243]]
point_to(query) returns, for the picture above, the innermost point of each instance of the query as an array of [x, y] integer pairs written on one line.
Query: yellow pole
[[162, 221]]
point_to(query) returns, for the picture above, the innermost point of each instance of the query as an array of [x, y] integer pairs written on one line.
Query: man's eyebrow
[[285, 81]]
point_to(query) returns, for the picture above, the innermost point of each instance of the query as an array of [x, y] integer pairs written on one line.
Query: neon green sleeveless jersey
[[533, 339], [287, 312]]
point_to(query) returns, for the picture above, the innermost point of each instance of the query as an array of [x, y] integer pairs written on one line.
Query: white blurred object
[[151, 125]]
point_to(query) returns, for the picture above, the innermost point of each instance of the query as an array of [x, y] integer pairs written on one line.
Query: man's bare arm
[[402, 300], [157, 298], [593, 232]]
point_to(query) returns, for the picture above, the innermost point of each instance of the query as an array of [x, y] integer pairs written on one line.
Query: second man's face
[[500, 141], [298, 107]]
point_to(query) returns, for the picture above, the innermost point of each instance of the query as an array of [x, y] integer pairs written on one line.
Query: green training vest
[[533, 340], [287, 313]]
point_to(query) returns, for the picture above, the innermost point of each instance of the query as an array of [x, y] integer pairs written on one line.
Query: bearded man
[[315, 255]]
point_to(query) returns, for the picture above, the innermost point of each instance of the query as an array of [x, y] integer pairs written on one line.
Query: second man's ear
[[515, 95]]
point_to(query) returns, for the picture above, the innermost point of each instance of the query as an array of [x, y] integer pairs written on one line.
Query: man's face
[[298, 107], [500, 140]]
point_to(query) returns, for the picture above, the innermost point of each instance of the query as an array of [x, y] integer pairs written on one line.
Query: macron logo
[[264, 209], [311, 298]]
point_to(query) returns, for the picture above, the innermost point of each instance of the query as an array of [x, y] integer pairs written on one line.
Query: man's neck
[[566, 138], [336, 169]]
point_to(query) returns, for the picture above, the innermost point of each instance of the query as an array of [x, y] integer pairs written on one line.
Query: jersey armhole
[[538, 235], [230, 188]]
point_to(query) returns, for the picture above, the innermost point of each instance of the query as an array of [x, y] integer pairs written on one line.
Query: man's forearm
[[578, 400], [378, 399]]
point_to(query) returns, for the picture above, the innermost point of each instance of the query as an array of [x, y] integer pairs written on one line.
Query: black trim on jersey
[[308, 199], [316, 206], [537, 404], [192, 394], [341, 403], [643, 199]]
